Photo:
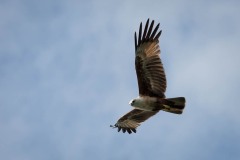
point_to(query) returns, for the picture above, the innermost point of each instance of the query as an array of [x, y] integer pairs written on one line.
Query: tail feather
[[175, 105]]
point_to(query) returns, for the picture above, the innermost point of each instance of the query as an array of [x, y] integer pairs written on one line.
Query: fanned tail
[[175, 105]]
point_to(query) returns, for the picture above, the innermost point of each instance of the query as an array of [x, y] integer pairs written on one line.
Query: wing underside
[[130, 121], [150, 72]]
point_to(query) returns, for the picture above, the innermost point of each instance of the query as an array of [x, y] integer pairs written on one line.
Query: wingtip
[[124, 130], [129, 131], [119, 129], [134, 130], [158, 35], [139, 34], [154, 32], [153, 21], [140, 26], [150, 30], [135, 40]]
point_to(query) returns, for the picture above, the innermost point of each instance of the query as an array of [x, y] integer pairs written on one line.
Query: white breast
[[145, 103]]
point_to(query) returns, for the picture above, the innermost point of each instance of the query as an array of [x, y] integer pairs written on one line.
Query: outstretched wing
[[130, 121], [149, 68]]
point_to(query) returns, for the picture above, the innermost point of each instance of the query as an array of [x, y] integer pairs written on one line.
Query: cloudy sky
[[67, 73]]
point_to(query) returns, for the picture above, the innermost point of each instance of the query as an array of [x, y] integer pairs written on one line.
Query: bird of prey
[[151, 82]]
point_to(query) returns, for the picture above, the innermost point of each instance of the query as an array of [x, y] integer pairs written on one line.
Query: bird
[[151, 82]]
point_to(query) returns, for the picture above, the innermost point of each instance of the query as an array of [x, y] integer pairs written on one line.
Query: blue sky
[[67, 73]]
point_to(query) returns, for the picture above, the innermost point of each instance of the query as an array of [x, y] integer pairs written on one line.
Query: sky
[[67, 73]]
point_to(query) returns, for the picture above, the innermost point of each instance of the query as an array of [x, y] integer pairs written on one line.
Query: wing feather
[[140, 33], [149, 68], [149, 31], [135, 40], [154, 32], [145, 31], [130, 121]]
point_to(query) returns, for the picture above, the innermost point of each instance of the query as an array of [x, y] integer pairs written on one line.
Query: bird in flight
[[151, 82]]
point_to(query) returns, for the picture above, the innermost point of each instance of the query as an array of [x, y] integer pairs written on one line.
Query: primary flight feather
[[151, 82]]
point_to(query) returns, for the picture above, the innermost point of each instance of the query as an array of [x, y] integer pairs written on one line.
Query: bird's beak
[[130, 103]]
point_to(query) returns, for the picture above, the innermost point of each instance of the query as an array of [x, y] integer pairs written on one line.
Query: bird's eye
[[133, 101]]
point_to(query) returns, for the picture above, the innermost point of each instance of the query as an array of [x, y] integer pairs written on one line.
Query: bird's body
[[153, 104], [145, 103], [151, 82]]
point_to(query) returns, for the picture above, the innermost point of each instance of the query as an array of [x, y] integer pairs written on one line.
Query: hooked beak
[[130, 103]]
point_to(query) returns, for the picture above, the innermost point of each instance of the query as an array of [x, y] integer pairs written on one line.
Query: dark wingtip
[[158, 35], [154, 32], [129, 131], [140, 34], [135, 39], [145, 31], [148, 34], [134, 130], [150, 30]]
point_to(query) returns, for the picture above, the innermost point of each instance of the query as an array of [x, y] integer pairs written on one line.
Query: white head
[[142, 103], [132, 102], [135, 102]]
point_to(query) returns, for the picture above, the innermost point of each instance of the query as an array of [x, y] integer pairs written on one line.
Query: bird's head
[[132, 102]]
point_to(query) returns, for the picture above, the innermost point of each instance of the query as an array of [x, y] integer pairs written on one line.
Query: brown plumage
[[151, 82]]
